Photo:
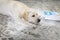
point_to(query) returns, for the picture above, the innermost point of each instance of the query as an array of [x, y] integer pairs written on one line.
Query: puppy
[[19, 10], [20, 13]]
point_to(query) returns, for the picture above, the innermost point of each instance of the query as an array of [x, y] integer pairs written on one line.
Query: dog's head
[[31, 16]]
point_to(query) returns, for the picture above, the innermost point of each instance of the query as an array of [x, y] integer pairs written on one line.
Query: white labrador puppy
[[19, 10], [23, 15]]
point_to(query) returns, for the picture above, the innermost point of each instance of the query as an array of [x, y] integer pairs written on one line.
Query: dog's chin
[[33, 23]]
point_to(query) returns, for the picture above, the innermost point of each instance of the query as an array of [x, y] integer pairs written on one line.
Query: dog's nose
[[38, 20]]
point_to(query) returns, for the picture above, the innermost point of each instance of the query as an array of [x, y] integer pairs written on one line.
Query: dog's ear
[[25, 16]]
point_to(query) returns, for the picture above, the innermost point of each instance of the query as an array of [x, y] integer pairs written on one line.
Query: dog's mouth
[[33, 23]]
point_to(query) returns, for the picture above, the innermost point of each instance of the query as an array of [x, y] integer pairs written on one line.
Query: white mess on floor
[[46, 30]]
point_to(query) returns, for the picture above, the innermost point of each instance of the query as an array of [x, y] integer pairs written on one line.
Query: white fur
[[16, 9]]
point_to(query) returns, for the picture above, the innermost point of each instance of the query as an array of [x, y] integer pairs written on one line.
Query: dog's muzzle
[[32, 23], [36, 23]]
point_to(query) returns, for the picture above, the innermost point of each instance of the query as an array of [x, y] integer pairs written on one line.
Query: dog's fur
[[22, 15], [18, 10]]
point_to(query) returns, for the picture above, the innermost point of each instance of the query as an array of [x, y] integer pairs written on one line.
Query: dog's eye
[[33, 15]]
